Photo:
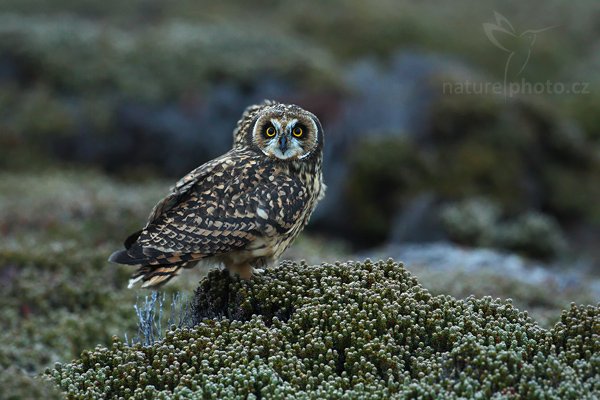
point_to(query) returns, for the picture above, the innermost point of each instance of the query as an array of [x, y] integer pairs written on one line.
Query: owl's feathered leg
[[244, 270], [260, 264]]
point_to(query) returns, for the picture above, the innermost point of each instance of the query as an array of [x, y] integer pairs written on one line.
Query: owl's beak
[[283, 144]]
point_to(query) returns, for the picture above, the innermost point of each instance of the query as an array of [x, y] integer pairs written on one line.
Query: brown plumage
[[242, 209]]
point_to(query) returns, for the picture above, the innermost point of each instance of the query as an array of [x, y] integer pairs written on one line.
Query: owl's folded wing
[[183, 186], [221, 218]]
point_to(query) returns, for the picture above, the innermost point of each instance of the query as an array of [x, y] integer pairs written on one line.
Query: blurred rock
[[520, 153], [384, 102], [448, 258], [417, 221]]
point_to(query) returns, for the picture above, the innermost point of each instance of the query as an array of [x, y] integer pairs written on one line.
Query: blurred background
[[462, 138]]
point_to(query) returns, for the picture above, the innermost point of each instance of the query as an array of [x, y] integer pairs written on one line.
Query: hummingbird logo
[[518, 45]]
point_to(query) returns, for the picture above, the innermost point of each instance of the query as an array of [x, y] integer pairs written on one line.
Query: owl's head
[[280, 131]]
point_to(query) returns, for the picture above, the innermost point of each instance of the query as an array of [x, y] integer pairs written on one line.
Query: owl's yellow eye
[[270, 131], [297, 132]]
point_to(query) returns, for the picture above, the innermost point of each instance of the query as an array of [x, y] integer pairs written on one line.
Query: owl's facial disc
[[283, 144], [286, 137]]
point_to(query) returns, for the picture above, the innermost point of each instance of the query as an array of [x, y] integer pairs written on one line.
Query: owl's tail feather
[[124, 257], [154, 267], [149, 272], [153, 276], [132, 254]]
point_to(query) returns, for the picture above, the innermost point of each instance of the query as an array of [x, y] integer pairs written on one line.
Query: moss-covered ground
[[351, 330]]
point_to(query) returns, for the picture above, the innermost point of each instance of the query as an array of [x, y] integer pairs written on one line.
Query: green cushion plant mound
[[349, 330]]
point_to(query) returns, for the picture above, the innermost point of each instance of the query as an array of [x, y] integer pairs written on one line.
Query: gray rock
[[444, 256]]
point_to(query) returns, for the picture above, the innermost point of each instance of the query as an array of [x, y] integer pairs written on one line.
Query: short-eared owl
[[242, 209]]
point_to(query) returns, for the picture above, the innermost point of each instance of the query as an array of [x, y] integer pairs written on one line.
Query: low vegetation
[[353, 330]]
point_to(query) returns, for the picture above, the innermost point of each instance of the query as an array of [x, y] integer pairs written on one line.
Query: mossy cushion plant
[[351, 330]]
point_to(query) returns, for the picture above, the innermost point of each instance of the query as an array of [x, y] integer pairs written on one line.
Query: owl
[[242, 209]]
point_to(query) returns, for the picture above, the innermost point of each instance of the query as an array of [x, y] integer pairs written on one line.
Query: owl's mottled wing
[[178, 192], [227, 209], [183, 186]]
